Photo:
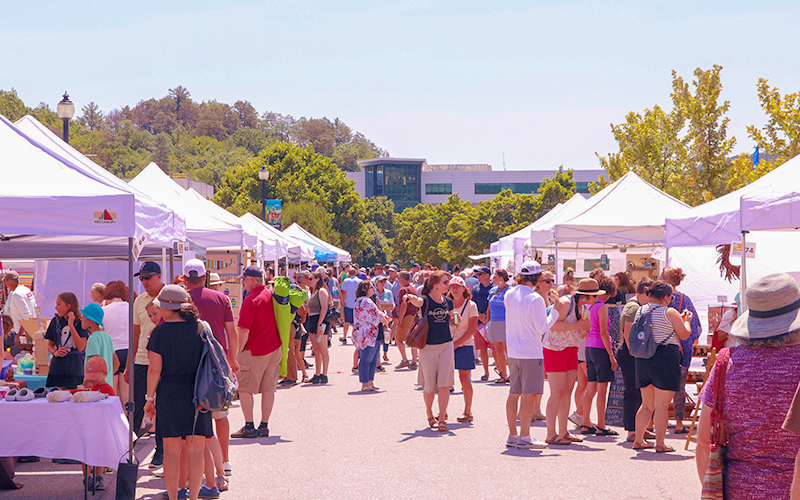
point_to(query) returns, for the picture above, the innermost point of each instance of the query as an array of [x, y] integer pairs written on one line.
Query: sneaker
[[206, 492], [403, 364], [530, 443], [323, 379], [158, 472], [157, 461], [89, 483], [263, 432], [354, 369], [379, 368], [412, 366], [244, 432], [287, 382], [315, 379], [183, 494], [222, 484], [227, 468], [98, 484], [576, 419], [511, 442]]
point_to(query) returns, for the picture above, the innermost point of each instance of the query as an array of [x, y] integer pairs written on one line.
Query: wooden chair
[[712, 357]]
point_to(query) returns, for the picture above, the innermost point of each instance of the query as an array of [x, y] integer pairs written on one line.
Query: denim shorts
[[465, 357]]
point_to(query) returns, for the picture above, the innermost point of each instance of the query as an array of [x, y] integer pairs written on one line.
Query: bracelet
[[149, 398]]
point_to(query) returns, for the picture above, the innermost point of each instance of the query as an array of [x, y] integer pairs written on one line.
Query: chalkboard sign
[[616, 392], [614, 319]]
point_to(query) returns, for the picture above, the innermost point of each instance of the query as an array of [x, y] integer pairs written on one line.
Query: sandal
[[305, 378], [606, 432], [668, 449], [586, 429], [684, 430], [484, 377], [560, 441], [502, 380], [574, 439], [467, 417], [443, 427], [369, 388], [433, 422], [649, 435], [645, 446]]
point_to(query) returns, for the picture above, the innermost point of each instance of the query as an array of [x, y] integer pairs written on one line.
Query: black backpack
[[215, 385], [641, 343]]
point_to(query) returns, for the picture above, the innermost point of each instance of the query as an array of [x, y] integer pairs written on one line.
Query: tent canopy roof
[[628, 212], [325, 252], [298, 250]]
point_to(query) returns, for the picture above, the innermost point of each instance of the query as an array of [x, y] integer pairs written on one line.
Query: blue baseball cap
[[149, 267], [253, 271]]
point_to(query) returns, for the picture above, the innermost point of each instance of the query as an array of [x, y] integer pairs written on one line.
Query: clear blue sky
[[450, 81]]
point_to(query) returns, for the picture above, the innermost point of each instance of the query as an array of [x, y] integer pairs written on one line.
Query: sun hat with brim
[[589, 286], [214, 279], [93, 312], [171, 297], [773, 308]]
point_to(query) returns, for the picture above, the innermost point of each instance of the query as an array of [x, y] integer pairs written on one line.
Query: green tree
[[312, 216], [11, 106], [379, 210], [781, 135], [376, 248], [298, 174], [92, 118], [707, 131]]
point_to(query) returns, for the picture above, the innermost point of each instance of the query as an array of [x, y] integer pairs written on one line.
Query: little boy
[[94, 379], [99, 343]]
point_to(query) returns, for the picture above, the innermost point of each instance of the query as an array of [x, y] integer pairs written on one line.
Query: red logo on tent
[[105, 217]]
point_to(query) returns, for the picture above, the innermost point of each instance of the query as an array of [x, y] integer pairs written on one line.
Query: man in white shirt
[[347, 294], [20, 304], [526, 322]]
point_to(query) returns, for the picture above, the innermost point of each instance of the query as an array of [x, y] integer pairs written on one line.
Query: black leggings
[[632, 397], [139, 392]]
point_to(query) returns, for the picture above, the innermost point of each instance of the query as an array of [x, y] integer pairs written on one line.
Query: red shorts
[[560, 361], [480, 341]]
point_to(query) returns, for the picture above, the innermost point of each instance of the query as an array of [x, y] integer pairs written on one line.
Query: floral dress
[[366, 318]]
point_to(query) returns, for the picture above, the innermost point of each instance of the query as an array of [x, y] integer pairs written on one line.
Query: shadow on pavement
[[362, 393], [269, 441], [652, 456], [516, 452]]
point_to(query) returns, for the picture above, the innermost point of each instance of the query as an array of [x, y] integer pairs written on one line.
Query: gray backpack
[[641, 343], [215, 385]]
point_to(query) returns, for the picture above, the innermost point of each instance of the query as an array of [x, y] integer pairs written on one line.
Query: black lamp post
[[263, 174], [66, 110]]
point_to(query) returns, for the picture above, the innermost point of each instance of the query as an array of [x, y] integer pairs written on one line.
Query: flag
[[755, 158]]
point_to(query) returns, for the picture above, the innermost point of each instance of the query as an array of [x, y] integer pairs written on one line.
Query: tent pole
[[129, 405], [171, 264], [164, 260], [743, 275], [559, 271], [667, 262]]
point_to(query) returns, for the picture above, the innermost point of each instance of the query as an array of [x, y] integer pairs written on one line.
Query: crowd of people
[[534, 330]]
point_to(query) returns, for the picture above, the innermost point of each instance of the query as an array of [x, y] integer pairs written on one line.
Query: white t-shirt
[[526, 322], [21, 304], [470, 309], [115, 321], [350, 285]]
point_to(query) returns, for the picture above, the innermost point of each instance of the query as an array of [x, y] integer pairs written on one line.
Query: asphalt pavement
[[335, 442]]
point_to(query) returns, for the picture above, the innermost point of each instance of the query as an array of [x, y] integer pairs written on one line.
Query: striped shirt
[[662, 328]]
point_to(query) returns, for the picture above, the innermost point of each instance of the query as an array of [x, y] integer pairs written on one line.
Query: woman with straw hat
[[758, 382]]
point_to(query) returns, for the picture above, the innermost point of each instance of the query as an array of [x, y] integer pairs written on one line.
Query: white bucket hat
[[773, 304]]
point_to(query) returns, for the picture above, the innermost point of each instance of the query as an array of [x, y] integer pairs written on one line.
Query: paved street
[[335, 442]]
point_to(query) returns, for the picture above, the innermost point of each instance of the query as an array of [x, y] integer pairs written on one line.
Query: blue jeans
[[368, 362]]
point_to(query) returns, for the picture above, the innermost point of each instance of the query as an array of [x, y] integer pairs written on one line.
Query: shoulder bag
[[417, 338], [641, 343], [713, 482]]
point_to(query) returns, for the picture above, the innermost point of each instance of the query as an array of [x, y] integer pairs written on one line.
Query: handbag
[[713, 482], [417, 338]]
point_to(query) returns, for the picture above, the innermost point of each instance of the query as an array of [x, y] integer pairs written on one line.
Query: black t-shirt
[[180, 347], [438, 320], [59, 333]]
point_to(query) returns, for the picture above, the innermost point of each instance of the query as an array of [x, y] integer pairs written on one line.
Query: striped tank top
[[662, 328]]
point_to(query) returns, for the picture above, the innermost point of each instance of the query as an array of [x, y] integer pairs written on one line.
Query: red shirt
[[406, 290], [215, 309], [258, 316], [104, 388]]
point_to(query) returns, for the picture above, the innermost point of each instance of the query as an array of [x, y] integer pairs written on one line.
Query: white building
[[409, 181]]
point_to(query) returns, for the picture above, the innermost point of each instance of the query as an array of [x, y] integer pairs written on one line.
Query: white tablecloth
[[94, 433]]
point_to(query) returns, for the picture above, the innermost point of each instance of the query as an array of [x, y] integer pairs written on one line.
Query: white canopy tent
[[204, 224], [298, 251], [271, 248], [324, 251], [766, 204]]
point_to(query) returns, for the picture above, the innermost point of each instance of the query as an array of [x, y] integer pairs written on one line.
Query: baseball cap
[[314, 266], [382, 277], [149, 267], [482, 269], [362, 276], [415, 265], [253, 271], [194, 268], [457, 280], [96, 364], [531, 267], [171, 297], [393, 268]]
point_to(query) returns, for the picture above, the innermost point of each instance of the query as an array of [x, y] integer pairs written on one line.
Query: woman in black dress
[[175, 348]]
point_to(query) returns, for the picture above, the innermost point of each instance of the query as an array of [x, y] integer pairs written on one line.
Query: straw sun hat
[[773, 304], [589, 286]]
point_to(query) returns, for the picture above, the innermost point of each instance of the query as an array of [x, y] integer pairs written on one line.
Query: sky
[[536, 84]]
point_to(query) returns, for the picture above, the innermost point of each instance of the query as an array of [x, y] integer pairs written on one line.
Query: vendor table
[[93, 433], [34, 381]]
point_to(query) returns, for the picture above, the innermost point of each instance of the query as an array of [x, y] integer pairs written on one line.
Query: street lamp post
[[66, 110], [263, 174]]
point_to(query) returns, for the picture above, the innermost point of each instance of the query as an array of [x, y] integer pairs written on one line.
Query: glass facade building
[[400, 181]]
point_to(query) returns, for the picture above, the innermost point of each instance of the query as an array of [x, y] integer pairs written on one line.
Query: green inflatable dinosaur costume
[[287, 298]]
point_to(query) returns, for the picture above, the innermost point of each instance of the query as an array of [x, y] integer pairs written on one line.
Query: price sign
[[750, 250]]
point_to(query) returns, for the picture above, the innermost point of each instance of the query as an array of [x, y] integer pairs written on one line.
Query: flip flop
[[574, 439], [645, 446], [685, 430], [370, 388], [668, 449], [557, 440]]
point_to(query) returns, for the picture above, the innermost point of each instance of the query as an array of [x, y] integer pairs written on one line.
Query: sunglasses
[[546, 281], [145, 278]]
